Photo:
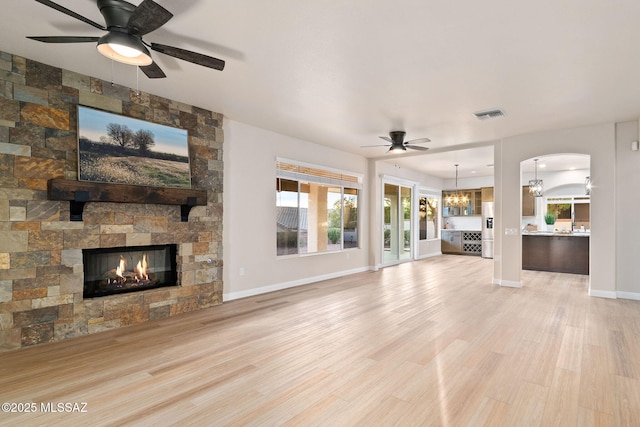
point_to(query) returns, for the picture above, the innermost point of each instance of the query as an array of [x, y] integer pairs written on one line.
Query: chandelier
[[456, 199], [535, 185]]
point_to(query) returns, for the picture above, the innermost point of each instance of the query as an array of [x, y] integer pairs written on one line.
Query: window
[[317, 209], [571, 212], [428, 219]]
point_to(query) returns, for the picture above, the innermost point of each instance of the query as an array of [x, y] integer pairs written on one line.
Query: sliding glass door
[[397, 224]]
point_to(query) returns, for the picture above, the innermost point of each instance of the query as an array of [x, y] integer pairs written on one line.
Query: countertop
[[557, 233]]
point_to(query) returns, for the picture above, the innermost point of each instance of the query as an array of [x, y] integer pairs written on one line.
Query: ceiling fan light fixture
[[397, 148], [126, 24], [124, 48]]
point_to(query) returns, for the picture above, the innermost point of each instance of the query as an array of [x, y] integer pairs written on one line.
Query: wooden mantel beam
[[81, 192]]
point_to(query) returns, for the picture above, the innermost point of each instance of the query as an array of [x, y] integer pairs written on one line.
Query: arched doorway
[[556, 220]]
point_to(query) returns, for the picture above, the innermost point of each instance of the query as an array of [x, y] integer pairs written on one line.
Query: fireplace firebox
[[109, 271]]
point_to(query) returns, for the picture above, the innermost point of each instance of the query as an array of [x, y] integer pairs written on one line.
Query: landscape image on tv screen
[[117, 149]]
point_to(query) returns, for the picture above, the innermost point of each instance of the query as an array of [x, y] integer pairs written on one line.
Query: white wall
[[249, 232], [464, 222], [465, 183], [627, 212], [552, 180], [249, 207]]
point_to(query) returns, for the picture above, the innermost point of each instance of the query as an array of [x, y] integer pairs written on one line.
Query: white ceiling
[[343, 73]]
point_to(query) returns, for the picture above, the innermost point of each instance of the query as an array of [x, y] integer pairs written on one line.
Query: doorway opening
[[397, 223], [556, 222]]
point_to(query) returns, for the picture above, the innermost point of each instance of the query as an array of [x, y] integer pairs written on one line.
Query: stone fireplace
[[112, 271], [42, 275]]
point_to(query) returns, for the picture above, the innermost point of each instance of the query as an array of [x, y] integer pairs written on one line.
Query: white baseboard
[[507, 283], [603, 294], [430, 255], [629, 295], [286, 285]]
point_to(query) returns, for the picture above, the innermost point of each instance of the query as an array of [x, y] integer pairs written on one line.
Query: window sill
[[304, 255]]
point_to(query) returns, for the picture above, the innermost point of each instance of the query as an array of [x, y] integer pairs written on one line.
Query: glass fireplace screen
[[109, 271]]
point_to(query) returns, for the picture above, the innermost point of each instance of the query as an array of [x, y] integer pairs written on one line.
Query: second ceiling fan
[[398, 144]]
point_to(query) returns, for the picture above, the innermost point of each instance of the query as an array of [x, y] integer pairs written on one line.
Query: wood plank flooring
[[419, 344]]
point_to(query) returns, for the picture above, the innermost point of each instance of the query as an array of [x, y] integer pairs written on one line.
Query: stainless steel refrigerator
[[487, 229]]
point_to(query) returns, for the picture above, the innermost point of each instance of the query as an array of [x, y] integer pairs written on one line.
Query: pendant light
[[535, 185], [457, 199], [587, 186]]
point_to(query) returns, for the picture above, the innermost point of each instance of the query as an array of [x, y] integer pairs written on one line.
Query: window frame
[[571, 200], [429, 194], [310, 174]]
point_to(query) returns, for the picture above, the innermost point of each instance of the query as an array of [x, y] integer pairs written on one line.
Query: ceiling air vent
[[489, 114]]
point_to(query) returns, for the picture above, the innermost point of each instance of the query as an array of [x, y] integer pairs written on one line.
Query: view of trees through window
[[571, 212], [428, 219], [313, 217]]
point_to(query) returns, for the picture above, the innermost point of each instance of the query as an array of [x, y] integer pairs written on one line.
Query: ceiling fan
[[125, 26], [398, 144]]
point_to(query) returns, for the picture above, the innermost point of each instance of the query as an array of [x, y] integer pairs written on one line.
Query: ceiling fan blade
[[71, 13], [377, 145], [153, 71], [148, 16], [417, 147], [386, 138], [187, 55], [65, 39], [418, 141]]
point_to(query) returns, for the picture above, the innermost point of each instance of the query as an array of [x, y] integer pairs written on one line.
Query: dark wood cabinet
[[561, 254]]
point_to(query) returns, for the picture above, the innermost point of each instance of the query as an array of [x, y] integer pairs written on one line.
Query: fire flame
[[140, 273], [121, 268], [141, 269]]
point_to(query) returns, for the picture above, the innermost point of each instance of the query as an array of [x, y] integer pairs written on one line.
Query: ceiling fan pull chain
[[112, 72], [138, 82]]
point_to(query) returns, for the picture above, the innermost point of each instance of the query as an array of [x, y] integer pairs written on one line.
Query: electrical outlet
[[510, 231], [241, 271]]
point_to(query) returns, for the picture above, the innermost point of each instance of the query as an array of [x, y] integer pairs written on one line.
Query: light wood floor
[[425, 343]]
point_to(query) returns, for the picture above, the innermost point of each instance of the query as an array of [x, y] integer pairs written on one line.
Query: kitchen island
[[557, 252]]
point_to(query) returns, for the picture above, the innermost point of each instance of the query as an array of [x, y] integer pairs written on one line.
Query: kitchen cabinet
[[476, 203], [474, 207], [472, 242], [467, 242], [556, 252], [487, 194], [528, 202], [451, 242]]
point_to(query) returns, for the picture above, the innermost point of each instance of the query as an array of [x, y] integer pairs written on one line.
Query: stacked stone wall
[[41, 273]]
